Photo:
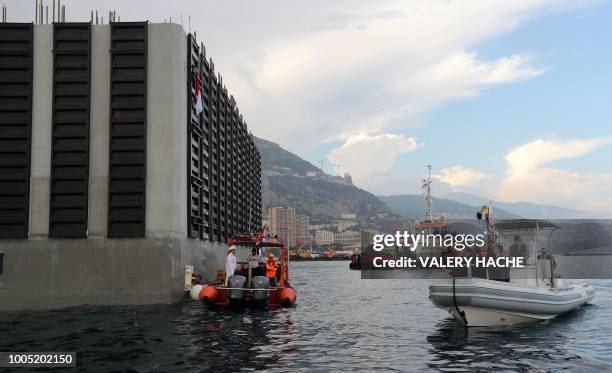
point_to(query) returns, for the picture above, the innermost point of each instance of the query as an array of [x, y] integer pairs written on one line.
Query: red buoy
[[209, 295], [287, 297]]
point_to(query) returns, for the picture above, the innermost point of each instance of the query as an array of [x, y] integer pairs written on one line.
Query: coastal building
[[302, 233], [283, 224], [342, 225], [123, 161], [348, 178], [348, 238], [323, 237]]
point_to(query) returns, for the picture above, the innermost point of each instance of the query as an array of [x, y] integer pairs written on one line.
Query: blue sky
[[505, 99], [570, 100]]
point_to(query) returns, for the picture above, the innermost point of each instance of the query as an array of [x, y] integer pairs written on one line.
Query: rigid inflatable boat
[[482, 302], [518, 295], [248, 286]]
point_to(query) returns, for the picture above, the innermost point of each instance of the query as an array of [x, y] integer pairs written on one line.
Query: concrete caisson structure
[[111, 182]]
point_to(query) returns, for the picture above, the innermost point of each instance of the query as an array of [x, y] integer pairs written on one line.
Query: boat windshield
[[528, 238]]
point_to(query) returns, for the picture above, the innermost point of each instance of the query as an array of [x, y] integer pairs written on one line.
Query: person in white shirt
[[230, 263], [254, 259]]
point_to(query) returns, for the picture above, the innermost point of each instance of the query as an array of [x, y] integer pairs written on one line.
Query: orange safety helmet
[[270, 255]]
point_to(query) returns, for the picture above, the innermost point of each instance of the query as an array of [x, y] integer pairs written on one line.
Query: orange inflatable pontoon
[[249, 286]]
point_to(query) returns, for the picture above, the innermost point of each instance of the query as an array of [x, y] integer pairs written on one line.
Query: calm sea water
[[340, 322]]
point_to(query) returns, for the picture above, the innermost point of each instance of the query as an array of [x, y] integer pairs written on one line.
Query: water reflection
[[545, 345], [231, 339], [340, 322]]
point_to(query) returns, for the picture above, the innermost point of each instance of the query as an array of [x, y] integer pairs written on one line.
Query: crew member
[[253, 261], [230, 263], [518, 248], [501, 274], [271, 269]]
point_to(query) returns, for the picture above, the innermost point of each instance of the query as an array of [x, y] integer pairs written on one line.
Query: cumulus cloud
[[460, 176], [462, 75], [344, 68], [369, 156], [525, 158], [527, 177]]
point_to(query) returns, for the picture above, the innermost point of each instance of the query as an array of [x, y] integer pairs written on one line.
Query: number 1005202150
[[37, 359]]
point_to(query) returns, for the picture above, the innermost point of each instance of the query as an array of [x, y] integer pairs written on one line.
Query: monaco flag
[[198, 95]]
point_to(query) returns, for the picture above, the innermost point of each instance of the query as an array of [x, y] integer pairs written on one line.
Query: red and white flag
[[198, 95]]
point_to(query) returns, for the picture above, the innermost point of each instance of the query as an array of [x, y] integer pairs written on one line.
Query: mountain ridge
[[412, 206], [524, 209]]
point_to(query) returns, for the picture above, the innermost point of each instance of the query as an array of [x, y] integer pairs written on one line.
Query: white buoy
[[194, 293]]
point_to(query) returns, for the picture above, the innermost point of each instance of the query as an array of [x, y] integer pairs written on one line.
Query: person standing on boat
[[271, 269], [230, 263], [254, 259], [518, 249]]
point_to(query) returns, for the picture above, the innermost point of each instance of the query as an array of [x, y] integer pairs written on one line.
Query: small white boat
[[524, 294], [482, 302]]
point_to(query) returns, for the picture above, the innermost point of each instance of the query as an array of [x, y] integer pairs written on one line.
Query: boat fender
[[287, 297], [209, 295], [194, 293]]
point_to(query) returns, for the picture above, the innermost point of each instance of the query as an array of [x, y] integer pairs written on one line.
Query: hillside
[[288, 180], [274, 157]]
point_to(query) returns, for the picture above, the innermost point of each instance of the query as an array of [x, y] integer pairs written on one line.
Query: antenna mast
[[427, 193]]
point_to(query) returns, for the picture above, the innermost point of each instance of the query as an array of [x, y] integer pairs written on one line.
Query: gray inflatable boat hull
[[481, 302]]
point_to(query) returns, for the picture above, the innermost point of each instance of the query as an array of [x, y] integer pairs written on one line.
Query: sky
[[505, 99]]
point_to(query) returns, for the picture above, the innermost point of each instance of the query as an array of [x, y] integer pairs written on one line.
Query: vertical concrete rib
[[99, 131], [166, 133], [41, 131]]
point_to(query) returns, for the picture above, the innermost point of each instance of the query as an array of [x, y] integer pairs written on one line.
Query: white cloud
[[461, 176], [344, 68], [527, 179], [523, 159], [462, 75], [316, 66], [370, 156]]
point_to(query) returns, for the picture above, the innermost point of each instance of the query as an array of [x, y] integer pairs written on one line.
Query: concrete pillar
[[41, 131], [166, 207], [99, 129]]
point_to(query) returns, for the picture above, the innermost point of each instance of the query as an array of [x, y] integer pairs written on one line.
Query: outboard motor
[[236, 281], [260, 297]]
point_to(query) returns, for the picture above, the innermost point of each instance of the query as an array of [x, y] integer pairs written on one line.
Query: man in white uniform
[[230, 263]]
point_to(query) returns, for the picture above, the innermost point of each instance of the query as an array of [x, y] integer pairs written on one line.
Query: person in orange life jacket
[[271, 269]]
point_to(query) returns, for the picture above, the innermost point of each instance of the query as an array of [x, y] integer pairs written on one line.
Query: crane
[[338, 165]]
